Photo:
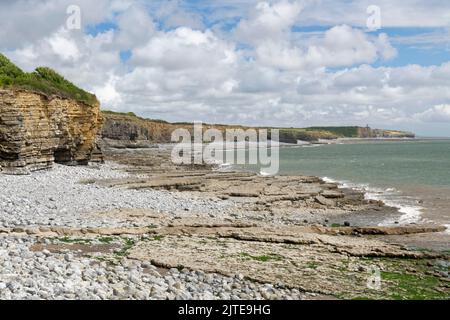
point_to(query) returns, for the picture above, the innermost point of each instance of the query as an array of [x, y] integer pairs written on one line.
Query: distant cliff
[[128, 130], [365, 132]]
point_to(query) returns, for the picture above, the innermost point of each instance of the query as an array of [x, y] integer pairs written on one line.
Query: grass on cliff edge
[[348, 132], [132, 115], [42, 80]]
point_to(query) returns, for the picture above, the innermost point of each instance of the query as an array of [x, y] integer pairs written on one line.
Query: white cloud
[[63, 46], [269, 31], [340, 46], [269, 21], [185, 48], [108, 94], [135, 26], [439, 113], [345, 46]]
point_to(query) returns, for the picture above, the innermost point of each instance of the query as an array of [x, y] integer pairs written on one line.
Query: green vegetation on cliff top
[[348, 132], [42, 80], [131, 115]]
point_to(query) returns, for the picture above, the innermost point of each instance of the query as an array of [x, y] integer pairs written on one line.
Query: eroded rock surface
[[36, 131]]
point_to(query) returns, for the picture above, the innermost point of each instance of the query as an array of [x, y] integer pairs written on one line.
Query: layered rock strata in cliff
[[36, 131], [121, 130]]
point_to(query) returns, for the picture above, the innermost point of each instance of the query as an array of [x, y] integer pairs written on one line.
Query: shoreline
[[415, 206], [411, 214], [409, 205]]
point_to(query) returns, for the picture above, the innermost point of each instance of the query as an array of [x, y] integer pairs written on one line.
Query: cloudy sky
[[282, 62]]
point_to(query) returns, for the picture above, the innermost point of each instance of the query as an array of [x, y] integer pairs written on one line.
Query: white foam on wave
[[219, 165], [448, 228], [410, 213], [312, 145], [264, 174], [329, 180], [224, 166]]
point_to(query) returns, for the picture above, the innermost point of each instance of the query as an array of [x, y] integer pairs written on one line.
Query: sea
[[411, 175]]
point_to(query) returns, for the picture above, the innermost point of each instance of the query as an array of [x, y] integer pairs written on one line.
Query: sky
[[286, 63]]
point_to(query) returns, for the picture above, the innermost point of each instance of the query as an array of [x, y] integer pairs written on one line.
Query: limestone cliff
[[37, 130], [122, 130], [126, 130]]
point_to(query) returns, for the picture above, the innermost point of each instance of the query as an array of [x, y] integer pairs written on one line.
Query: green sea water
[[395, 164]]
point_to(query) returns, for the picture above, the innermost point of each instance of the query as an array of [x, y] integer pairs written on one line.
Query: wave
[[448, 228], [222, 166], [264, 174], [411, 213]]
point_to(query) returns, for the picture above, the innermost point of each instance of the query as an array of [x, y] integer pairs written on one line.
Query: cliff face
[[36, 131], [380, 133], [123, 131], [293, 136], [129, 131]]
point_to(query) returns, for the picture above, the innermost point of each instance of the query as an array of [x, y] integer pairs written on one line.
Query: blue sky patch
[[94, 30]]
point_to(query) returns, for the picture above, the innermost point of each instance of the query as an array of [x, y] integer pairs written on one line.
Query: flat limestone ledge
[[67, 231], [339, 266], [314, 235], [311, 259], [246, 232]]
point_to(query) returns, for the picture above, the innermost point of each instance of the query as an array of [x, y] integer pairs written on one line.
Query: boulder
[[324, 201], [331, 194]]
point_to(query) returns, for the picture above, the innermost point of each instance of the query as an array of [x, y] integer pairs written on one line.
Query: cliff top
[[43, 80]]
